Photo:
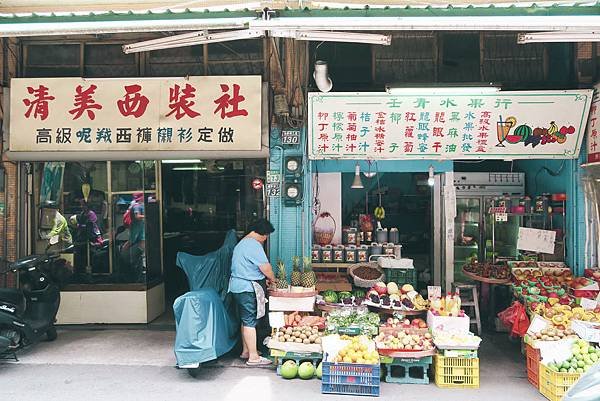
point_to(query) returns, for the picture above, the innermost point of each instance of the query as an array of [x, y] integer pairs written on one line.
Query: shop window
[[94, 197], [108, 60], [52, 60], [79, 189], [136, 220], [459, 57]]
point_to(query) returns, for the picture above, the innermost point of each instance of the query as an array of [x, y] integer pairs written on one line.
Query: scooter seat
[[12, 298], [27, 262]]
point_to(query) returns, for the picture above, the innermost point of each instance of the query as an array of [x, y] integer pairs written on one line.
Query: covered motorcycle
[[206, 319]]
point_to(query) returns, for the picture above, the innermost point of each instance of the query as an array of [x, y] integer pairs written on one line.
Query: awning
[[17, 19]]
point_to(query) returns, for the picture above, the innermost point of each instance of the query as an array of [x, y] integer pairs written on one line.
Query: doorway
[[407, 200], [202, 201]]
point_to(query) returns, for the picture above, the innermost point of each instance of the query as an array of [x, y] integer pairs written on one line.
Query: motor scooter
[[28, 313]]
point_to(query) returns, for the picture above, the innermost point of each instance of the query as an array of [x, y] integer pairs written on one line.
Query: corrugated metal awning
[[198, 15]]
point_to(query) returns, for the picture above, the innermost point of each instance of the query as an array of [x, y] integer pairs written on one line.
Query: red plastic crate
[[533, 365]]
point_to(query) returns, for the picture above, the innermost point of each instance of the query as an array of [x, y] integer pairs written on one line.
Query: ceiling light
[[329, 36], [357, 183], [192, 168], [431, 178], [447, 90], [182, 161], [201, 38], [547, 37]]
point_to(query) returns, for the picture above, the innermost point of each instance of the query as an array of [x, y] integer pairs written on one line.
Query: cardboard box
[[448, 323]]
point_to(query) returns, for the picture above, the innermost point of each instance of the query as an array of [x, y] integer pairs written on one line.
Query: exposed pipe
[[321, 76]]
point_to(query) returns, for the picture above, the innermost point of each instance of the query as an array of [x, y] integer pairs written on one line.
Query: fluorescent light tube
[[433, 23], [168, 39], [548, 37], [334, 36], [238, 34], [182, 161], [443, 90], [194, 168]]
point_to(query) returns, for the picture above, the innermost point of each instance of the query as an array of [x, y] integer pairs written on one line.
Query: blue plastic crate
[[350, 379]]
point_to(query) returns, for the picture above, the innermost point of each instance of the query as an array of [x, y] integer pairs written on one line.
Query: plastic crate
[[281, 357], [456, 372], [408, 371], [350, 379], [532, 355], [554, 385], [401, 276]]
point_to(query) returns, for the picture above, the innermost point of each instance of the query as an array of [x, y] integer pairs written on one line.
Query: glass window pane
[[130, 176]]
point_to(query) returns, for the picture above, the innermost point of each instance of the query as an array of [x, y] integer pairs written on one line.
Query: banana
[[379, 213], [553, 128]]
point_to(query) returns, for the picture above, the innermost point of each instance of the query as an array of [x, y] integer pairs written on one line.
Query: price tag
[[434, 291], [501, 217], [589, 304], [276, 319], [531, 239]]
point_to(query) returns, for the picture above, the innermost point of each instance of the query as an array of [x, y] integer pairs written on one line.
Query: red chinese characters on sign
[[226, 101], [39, 103], [180, 103], [84, 102], [133, 103]]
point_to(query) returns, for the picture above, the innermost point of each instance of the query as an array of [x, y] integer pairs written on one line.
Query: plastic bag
[[515, 318]]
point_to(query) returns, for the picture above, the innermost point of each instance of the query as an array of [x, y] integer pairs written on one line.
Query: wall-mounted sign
[[593, 129], [142, 114], [502, 125], [273, 184], [290, 137]]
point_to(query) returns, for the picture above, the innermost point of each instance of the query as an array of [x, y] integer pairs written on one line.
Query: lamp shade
[[357, 183]]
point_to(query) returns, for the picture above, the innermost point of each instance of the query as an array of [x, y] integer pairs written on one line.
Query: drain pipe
[[281, 167]]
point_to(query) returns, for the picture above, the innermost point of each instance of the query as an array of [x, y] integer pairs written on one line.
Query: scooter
[[28, 313]]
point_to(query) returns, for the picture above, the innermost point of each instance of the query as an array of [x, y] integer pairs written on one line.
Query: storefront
[[140, 169]]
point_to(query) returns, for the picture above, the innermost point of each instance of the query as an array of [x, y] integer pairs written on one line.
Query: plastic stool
[[471, 303]]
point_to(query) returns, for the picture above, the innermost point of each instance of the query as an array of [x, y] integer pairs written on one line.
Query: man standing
[[249, 268]]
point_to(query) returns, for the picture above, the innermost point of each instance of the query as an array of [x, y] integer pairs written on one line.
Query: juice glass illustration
[[503, 128]]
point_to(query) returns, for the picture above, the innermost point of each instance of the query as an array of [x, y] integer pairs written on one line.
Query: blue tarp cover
[[206, 322]]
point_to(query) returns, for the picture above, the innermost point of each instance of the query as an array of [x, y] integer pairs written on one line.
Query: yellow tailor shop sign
[[143, 114], [502, 125]]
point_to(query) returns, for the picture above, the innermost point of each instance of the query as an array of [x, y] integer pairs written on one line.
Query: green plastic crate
[[401, 276]]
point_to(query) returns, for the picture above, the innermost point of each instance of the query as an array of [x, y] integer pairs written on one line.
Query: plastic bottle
[[436, 304], [455, 305], [449, 304]]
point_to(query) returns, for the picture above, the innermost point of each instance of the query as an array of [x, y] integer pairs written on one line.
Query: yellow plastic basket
[[554, 385], [456, 372]]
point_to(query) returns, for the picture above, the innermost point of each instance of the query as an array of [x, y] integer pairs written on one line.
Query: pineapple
[[296, 275], [282, 282], [309, 278]]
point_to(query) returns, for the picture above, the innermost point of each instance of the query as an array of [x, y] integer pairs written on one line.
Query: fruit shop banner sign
[[593, 128], [194, 113], [502, 125]]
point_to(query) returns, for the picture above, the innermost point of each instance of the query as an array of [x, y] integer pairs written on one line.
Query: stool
[[472, 303]]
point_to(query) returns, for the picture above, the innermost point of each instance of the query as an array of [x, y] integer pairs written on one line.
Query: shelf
[[466, 246]]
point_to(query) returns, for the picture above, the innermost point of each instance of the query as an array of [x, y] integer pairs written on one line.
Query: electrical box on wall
[[293, 188]]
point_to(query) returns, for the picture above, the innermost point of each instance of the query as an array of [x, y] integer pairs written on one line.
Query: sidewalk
[[134, 365]]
